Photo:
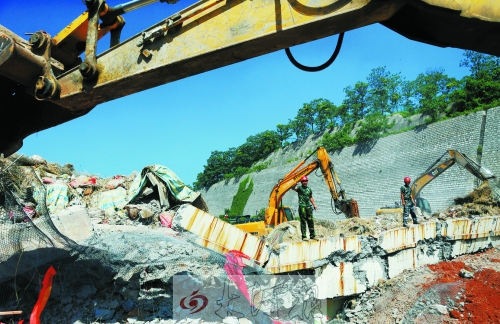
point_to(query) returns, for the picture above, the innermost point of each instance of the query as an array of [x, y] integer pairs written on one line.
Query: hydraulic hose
[[319, 67]]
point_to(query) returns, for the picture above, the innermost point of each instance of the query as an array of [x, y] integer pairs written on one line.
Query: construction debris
[[123, 272]]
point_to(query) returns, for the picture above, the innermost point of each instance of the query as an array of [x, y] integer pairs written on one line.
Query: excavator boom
[[274, 216], [455, 157], [207, 35]]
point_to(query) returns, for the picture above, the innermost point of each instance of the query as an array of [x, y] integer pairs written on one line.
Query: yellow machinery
[[45, 81], [277, 214], [434, 171]]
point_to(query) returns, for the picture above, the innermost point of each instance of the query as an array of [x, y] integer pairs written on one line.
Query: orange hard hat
[[304, 178], [407, 180]]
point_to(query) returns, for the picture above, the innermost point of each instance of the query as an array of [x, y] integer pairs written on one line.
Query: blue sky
[[179, 124]]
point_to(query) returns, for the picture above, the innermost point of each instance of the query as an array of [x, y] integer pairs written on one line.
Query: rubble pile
[[447, 292], [138, 286], [479, 203], [483, 201], [118, 200], [290, 231], [124, 274]]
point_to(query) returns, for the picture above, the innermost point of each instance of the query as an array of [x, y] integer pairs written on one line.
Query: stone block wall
[[373, 174]]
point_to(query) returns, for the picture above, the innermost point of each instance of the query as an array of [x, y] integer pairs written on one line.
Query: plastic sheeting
[[164, 179], [111, 201], [57, 197]]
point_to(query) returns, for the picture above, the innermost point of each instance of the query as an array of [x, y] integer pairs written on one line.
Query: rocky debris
[[479, 203], [432, 294], [135, 284], [138, 285]]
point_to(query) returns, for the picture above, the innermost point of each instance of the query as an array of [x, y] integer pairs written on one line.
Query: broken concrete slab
[[73, 222], [348, 265]]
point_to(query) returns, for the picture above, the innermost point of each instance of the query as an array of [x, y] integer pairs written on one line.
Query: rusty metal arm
[[211, 34], [215, 33]]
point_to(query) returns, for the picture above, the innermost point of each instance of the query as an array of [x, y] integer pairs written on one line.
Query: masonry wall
[[374, 174]]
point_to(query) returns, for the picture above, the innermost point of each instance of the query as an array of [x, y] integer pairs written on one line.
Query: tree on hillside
[[372, 127], [384, 92], [284, 132], [256, 148], [339, 139], [355, 106], [326, 114], [307, 116], [218, 164], [482, 87], [298, 128], [432, 90], [407, 102]]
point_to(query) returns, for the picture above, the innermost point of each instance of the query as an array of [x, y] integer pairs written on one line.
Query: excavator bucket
[[354, 208], [349, 208]]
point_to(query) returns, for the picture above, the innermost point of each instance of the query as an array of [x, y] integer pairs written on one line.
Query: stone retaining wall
[[373, 174]]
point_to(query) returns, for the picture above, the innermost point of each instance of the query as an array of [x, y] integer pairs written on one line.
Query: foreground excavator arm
[[274, 215], [44, 81]]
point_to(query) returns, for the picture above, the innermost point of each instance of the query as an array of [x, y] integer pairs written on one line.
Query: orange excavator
[[277, 214], [45, 82]]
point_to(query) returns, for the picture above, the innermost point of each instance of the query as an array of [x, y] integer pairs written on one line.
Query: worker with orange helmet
[[306, 205], [408, 202]]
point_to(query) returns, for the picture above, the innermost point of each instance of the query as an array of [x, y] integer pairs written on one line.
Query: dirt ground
[[417, 296], [463, 290]]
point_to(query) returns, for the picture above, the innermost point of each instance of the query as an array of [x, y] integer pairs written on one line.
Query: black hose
[[319, 67]]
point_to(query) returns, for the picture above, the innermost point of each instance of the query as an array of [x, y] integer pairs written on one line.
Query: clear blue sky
[[179, 124]]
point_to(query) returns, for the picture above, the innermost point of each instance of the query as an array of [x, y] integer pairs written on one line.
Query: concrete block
[[374, 271], [495, 240], [403, 260], [218, 235], [74, 222], [337, 281], [423, 256], [398, 238], [461, 247]]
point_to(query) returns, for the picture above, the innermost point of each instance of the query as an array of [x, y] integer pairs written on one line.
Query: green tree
[[372, 127], [384, 92], [482, 87], [299, 128], [337, 140], [218, 164], [407, 102], [307, 115], [355, 104], [257, 147], [284, 132], [432, 90], [325, 114]]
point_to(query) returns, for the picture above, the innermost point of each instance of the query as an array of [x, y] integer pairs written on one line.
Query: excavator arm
[[274, 216], [44, 81], [435, 170]]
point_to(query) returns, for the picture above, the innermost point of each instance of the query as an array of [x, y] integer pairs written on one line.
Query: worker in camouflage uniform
[[408, 202], [306, 205]]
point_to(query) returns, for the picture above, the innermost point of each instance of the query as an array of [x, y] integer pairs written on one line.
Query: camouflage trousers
[[306, 218], [407, 210]]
